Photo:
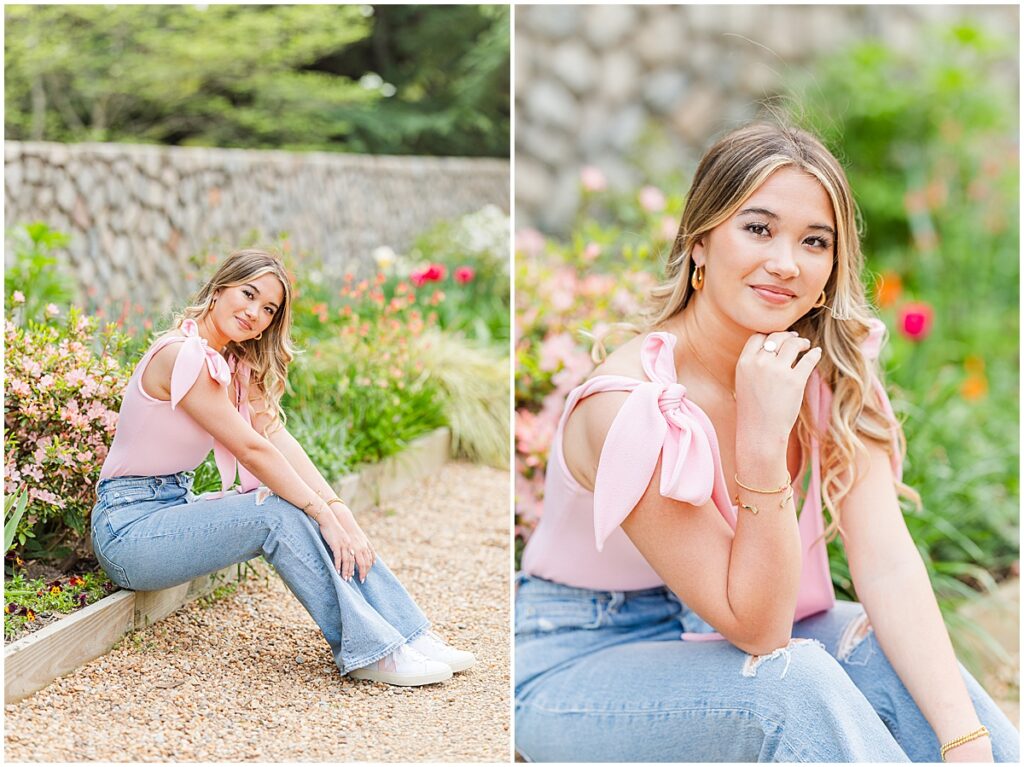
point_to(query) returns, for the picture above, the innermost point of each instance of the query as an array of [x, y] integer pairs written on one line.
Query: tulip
[[915, 321]]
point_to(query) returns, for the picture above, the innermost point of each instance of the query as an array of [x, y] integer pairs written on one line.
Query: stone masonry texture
[[136, 214], [592, 81]]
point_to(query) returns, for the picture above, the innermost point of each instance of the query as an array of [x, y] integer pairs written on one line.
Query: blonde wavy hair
[[730, 171], [268, 357]]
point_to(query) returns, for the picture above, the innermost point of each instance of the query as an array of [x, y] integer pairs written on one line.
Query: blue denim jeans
[[603, 676], [151, 533]]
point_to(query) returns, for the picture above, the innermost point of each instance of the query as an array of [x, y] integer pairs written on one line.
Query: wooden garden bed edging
[[34, 661]]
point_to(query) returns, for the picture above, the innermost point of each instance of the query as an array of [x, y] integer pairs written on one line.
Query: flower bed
[[365, 387]]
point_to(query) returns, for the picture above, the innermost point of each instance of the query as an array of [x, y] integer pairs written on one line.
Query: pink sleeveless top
[[579, 541], [154, 437]]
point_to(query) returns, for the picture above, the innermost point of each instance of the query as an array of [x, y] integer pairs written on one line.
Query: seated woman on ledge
[[673, 605], [149, 530]]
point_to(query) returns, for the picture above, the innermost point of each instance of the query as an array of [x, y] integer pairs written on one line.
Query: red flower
[[82, 598], [464, 274], [74, 580], [915, 321], [433, 273]]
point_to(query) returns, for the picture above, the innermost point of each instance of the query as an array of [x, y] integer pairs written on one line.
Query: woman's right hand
[[340, 542], [770, 387]]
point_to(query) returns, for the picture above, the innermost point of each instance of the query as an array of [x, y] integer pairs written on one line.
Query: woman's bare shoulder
[[156, 378], [588, 424], [623, 361]]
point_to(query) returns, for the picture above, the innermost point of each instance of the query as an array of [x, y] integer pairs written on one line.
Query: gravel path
[[248, 677]]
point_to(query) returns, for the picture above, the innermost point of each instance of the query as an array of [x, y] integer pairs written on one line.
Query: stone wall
[[591, 81], [136, 214]]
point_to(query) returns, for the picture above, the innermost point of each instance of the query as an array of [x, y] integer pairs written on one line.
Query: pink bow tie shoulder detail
[[194, 353], [656, 420]]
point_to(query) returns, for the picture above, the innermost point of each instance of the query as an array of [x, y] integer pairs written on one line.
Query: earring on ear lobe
[[697, 280], [821, 300], [257, 338]]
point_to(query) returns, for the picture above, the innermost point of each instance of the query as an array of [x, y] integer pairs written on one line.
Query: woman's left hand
[[365, 555]]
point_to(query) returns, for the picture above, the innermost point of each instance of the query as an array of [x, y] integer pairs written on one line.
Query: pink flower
[[593, 179], [533, 435], [915, 321], [554, 350], [597, 284], [52, 310], [45, 382], [529, 242], [20, 387], [652, 199], [464, 274], [591, 252], [668, 228], [18, 297]]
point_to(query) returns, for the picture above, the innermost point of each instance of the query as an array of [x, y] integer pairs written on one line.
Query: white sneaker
[[435, 648], [405, 667]]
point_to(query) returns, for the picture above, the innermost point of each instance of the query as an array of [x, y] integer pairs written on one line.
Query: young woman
[[673, 604], [215, 381]]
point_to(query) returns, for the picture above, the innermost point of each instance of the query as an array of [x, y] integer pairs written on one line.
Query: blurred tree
[[398, 79]]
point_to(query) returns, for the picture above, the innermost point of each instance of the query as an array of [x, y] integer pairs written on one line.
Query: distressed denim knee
[[812, 709]]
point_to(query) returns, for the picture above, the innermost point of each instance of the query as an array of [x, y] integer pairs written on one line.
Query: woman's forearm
[[300, 462], [765, 565], [270, 466], [909, 628]]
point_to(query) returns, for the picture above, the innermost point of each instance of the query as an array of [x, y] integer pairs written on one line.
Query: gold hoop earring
[[821, 300], [257, 338], [697, 280]]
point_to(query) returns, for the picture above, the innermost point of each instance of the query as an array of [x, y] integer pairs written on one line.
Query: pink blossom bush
[[564, 290], [63, 391]]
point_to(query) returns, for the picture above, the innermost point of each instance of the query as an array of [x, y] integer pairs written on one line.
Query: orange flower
[[889, 288], [975, 386]]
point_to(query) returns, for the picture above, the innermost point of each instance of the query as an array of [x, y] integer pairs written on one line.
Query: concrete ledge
[[34, 661], [392, 476]]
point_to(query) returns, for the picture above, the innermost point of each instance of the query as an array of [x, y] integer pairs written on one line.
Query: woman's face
[[767, 265], [244, 311]]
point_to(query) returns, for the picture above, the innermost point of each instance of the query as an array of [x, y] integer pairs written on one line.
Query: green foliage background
[[355, 78]]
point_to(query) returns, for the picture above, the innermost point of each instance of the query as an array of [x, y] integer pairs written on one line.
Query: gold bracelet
[[316, 517], [981, 732], [338, 500], [789, 481], [752, 508]]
